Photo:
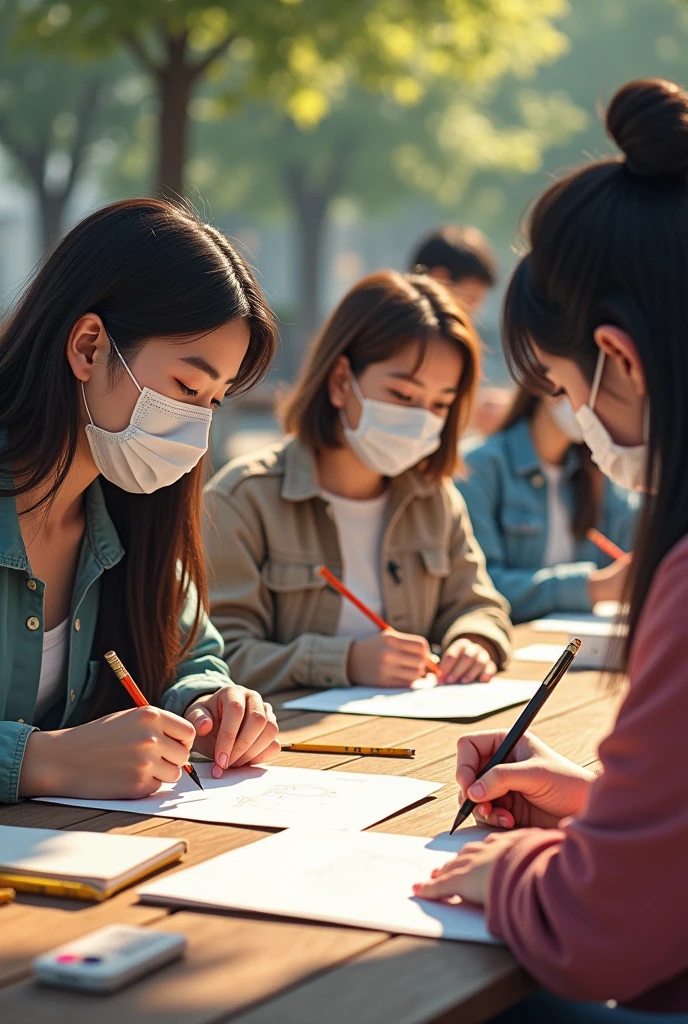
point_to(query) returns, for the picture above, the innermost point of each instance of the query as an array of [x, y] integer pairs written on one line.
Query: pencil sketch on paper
[[286, 797]]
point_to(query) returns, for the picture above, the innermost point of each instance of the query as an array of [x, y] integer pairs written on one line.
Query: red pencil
[[605, 544], [374, 618], [140, 701]]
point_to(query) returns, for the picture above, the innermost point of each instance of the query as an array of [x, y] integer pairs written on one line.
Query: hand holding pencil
[[397, 660]]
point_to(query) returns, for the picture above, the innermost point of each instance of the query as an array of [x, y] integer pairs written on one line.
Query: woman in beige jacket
[[363, 486]]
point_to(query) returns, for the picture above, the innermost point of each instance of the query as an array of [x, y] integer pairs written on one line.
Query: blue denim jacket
[[506, 495], [21, 637]]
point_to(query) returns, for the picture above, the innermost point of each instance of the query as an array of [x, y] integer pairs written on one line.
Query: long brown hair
[[147, 268], [609, 245], [587, 480], [381, 315]]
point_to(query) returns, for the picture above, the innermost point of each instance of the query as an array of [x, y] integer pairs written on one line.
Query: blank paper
[[356, 878], [461, 702]]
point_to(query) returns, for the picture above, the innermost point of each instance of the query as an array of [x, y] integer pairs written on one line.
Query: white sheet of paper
[[469, 701], [592, 625], [358, 878], [272, 797], [540, 652]]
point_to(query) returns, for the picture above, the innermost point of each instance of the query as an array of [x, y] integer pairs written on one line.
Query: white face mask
[[626, 467], [565, 418], [164, 440], [390, 438]]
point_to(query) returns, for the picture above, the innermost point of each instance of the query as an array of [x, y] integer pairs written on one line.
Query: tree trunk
[[51, 209], [175, 82], [311, 221]]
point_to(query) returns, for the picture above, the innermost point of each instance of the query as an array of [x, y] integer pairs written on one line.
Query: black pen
[[555, 674]]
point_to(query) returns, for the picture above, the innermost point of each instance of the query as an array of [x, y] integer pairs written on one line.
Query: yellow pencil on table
[[7, 895], [331, 748]]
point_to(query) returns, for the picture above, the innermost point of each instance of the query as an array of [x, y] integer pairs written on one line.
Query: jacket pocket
[[436, 562], [287, 577]]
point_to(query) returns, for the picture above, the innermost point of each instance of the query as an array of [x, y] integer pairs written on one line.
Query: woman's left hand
[[234, 727], [468, 874], [468, 660]]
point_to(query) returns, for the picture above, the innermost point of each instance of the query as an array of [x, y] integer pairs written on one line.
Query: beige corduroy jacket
[[267, 532]]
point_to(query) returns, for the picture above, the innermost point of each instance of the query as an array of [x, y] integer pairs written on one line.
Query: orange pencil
[[605, 544], [375, 619], [140, 701]]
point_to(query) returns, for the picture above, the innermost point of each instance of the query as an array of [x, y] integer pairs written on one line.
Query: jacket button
[[21, 721], [77, 624], [32, 622], [72, 696], [329, 510], [537, 480], [31, 584]]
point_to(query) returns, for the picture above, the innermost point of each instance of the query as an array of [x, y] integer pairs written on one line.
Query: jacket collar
[[300, 481], [100, 530], [523, 457]]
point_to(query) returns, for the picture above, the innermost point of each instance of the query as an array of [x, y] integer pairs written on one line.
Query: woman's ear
[[339, 382], [623, 355], [88, 343]]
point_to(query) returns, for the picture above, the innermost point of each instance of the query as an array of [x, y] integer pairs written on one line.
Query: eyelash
[[190, 393], [407, 399]]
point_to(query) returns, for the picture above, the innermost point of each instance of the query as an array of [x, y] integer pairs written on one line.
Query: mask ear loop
[[122, 361], [596, 380], [359, 395]]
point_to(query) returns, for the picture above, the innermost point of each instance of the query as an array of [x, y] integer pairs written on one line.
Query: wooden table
[[254, 970]]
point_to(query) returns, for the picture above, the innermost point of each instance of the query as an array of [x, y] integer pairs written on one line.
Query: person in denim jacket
[[532, 492]]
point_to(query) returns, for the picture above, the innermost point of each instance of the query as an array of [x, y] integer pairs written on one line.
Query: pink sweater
[[598, 909]]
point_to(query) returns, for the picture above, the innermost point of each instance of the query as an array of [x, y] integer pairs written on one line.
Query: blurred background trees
[[326, 135]]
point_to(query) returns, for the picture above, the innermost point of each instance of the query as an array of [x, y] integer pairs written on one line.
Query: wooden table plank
[[296, 971], [405, 980], [231, 962]]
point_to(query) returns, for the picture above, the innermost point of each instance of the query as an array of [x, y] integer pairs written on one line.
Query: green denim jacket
[[21, 637]]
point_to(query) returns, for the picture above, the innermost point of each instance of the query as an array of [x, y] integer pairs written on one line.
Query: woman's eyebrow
[[202, 364]]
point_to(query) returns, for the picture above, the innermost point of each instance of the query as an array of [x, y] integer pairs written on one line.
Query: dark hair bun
[[648, 120]]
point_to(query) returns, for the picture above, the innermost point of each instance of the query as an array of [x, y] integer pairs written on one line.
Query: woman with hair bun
[[586, 880]]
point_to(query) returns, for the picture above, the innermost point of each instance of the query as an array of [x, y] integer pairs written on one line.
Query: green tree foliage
[[373, 151], [299, 53]]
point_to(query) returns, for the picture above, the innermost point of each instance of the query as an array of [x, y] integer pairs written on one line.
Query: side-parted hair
[[148, 269], [609, 245], [381, 315]]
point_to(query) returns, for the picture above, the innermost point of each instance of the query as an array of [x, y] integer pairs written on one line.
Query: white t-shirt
[[360, 525], [560, 548], [55, 650]]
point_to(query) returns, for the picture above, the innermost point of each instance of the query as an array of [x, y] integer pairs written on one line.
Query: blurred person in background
[[463, 261], [364, 487], [532, 493]]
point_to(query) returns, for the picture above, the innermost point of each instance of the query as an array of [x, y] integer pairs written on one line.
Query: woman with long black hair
[[587, 884], [131, 333]]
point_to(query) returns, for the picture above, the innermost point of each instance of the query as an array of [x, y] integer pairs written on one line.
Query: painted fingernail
[[223, 760], [503, 820], [477, 791], [216, 772]]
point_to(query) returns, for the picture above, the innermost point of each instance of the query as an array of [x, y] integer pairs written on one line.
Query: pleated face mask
[[164, 440]]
